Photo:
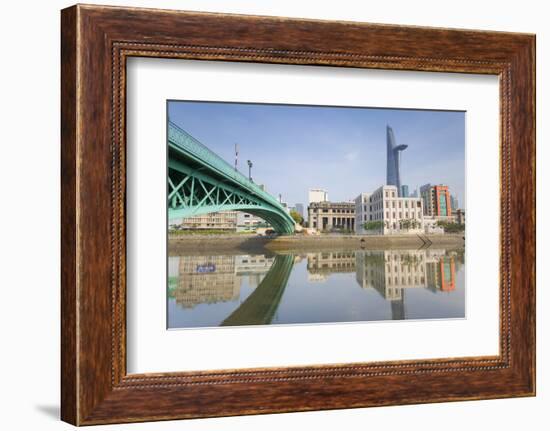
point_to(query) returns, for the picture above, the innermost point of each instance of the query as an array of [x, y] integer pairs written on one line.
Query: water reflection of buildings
[[322, 264], [441, 271], [389, 272], [392, 272], [212, 279], [252, 267]]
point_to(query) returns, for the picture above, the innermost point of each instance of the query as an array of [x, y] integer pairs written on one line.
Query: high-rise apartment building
[[299, 208], [436, 200], [454, 203]]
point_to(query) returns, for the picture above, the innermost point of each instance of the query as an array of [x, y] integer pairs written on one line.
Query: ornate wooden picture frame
[[96, 41]]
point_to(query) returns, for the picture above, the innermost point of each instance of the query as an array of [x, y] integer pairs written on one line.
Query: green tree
[[296, 216], [450, 227], [373, 225]]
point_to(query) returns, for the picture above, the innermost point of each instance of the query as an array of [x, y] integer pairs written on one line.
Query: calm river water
[[316, 287]]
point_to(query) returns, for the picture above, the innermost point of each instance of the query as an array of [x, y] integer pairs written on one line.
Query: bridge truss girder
[[192, 193]]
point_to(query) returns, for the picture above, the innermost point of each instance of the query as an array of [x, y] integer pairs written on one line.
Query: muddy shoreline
[[244, 244]]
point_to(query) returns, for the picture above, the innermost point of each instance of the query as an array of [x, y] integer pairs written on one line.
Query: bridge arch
[[201, 182]]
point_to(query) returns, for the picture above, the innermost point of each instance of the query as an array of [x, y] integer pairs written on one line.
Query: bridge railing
[[188, 143]]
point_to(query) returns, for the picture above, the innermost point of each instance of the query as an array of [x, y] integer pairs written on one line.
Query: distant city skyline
[[296, 148]]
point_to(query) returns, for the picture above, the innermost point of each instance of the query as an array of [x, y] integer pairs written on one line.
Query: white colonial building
[[392, 213]]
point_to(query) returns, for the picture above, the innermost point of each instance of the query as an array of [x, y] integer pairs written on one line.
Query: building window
[[386, 194], [392, 194], [387, 214], [443, 204]]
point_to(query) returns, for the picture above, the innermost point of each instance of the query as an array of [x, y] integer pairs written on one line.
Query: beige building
[[223, 220], [331, 215], [397, 215], [249, 223]]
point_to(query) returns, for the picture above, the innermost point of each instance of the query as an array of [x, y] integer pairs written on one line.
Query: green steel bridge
[[201, 182]]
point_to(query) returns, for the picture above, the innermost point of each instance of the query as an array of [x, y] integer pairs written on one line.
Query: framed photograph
[[264, 214]]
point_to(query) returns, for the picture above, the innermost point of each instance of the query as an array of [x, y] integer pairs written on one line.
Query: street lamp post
[[249, 169]]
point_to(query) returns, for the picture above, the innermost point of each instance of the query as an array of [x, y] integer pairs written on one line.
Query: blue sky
[[342, 150]]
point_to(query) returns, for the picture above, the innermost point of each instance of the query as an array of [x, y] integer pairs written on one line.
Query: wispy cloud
[[351, 156]]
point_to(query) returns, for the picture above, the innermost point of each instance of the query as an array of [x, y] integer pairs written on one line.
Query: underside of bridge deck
[[201, 182]]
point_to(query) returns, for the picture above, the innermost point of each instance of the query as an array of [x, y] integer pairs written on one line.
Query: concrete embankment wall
[[199, 244]]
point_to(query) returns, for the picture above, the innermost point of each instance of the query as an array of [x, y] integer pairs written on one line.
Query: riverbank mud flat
[[238, 244]]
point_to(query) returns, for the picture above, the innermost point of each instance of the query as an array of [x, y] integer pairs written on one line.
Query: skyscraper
[[454, 203], [436, 199], [393, 174], [299, 209]]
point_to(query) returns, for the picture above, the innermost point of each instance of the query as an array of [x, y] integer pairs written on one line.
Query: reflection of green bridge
[[201, 182], [260, 307]]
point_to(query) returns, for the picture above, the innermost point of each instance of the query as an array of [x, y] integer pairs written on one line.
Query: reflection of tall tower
[[391, 273], [398, 307], [393, 174]]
